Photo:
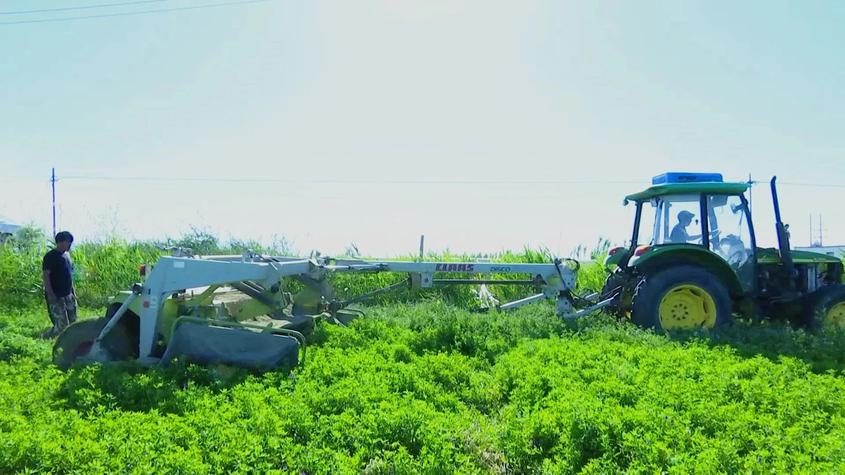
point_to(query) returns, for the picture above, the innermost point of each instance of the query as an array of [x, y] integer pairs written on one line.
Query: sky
[[484, 125]]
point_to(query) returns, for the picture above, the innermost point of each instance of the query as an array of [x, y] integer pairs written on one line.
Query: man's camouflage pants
[[62, 313]]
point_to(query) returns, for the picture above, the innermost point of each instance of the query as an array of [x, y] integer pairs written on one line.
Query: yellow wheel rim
[[835, 317], [687, 307]]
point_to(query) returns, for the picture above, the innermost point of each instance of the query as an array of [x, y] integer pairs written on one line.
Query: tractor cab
[[693, 216]]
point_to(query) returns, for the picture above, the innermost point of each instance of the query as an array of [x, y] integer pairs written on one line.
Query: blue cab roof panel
[[685, 177]]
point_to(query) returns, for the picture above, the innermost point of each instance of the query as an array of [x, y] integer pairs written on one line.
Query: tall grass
[[100, 268], [105, 267], [590, 277], [20, 274]]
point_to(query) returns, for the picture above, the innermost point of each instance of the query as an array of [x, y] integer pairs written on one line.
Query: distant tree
[[198, 240], [28, 238]]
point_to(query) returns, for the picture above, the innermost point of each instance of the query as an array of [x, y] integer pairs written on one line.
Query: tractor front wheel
[[681, 298], [825, 308]]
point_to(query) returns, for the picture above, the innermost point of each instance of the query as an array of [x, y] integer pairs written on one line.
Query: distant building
[[838, 251]]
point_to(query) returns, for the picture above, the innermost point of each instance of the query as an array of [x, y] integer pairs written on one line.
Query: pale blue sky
[[351, 101]]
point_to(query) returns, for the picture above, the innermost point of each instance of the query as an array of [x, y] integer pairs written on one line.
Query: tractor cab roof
[[675, 183]]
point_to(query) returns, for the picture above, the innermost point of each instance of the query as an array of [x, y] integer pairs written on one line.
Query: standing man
[[57, 270]]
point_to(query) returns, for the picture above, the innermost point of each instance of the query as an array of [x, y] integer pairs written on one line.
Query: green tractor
[[693, 262]]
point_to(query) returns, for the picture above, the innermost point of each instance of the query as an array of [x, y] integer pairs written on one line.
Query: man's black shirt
[[60, 267]]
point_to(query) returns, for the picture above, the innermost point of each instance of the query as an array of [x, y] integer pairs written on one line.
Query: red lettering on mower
[[454, 267]]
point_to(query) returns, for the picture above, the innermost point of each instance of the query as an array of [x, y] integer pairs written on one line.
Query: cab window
[[730, 233], [671, 219]]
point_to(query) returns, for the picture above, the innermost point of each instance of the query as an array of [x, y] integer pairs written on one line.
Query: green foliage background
[[103, 268]]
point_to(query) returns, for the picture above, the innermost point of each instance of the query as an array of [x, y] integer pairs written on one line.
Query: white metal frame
[[173, 274]]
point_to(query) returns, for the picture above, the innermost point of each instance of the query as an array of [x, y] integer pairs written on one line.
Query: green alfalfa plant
[[428, 388]]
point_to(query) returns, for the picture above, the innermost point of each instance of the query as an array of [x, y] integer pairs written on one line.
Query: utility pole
[[821, 242], [750, 193], [811, 230], [422, 247], [53, 186]]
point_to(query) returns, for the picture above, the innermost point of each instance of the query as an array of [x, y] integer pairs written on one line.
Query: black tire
[[818, 305], [652, 289], [75, 341]]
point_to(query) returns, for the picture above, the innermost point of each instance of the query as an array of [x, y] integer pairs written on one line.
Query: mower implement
[[234, 310]]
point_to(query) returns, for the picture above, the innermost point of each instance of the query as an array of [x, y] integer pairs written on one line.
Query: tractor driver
[[679, 232]]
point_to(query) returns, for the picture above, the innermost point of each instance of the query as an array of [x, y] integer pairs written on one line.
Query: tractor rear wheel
[[681, 298], [825, 308]]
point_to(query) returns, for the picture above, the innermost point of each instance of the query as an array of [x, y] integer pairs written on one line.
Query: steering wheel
[[714, 237], [733, 250]]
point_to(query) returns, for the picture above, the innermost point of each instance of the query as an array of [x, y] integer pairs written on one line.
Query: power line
[[457, 181], [345, 181], [338, 181], [23, 180], [134, 13], [792, 183], [80, 7], [320, 181], [813, 185]]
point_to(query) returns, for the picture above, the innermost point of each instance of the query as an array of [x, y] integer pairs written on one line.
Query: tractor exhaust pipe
[[783, 236]]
